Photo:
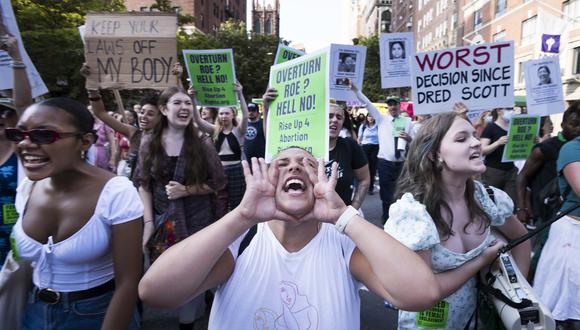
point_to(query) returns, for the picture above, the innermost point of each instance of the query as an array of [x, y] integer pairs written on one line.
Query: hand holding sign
[[502, 140]]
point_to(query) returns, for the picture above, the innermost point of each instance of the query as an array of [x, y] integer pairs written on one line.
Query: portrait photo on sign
[[343, 81], [397, 50], [544, 75], [346, 62]]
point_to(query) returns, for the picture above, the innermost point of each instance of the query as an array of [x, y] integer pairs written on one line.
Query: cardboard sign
[[544, 94], [213, 76], [480, 76], [130, 50], [346, 62], [396, 52], [8, 25], [522, 135], [285, 54], [299, 115]]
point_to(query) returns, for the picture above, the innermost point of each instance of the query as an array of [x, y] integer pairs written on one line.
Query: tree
[[372, 84], [253, 53]]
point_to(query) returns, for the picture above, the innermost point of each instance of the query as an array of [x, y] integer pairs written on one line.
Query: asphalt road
[[373, 313]]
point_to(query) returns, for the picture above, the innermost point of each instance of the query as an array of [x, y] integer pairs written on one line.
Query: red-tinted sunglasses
[[37, 136]]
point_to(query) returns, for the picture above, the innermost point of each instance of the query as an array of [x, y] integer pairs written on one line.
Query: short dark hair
[[82, 118]]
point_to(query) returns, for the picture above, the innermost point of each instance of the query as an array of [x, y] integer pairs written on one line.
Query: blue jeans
[[81, 314], [388, 174]]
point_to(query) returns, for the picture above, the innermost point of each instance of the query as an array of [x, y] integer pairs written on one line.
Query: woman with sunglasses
[[178, 172], [10, 109], [80, 225]]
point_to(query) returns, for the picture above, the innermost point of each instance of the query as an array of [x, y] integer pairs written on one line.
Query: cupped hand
[[259, 201], [459, 107], [177, 69], [328, 206], [353, 87]]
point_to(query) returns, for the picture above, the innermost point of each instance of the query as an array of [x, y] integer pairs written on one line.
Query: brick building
[[208, 14]]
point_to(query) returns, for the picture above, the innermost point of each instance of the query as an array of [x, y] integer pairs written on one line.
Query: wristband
[[18, 65], [345, 218], [147, 221]]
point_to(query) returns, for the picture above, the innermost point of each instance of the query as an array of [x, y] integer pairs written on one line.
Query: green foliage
[[372, 84], [253, 53]]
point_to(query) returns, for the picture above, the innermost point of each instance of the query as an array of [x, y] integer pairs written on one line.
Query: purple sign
[[551, 43]]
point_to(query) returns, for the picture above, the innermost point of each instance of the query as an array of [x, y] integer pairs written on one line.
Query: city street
[[373, 313]]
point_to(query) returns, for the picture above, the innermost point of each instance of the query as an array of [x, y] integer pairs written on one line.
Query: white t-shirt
[[272, 288]]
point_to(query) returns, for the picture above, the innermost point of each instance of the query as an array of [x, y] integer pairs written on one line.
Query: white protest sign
[[396, 52], [544, 94], [346, 62], [480, 76], [8, 25]]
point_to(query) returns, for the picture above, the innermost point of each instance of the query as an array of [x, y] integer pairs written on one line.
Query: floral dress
[[410, 223]]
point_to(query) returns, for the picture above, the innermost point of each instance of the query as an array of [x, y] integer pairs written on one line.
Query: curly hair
[[421, 176]]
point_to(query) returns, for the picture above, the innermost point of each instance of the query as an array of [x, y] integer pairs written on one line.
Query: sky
[[314, 23]]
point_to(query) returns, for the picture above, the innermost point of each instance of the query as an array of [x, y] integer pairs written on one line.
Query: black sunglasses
[[37, 136]]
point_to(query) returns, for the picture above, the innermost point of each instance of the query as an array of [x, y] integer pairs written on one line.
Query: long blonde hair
[[218, 125]]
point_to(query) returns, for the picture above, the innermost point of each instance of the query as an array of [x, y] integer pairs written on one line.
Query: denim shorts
[[80, 314]]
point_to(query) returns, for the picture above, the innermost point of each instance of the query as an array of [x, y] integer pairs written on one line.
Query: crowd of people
[[171, 203]]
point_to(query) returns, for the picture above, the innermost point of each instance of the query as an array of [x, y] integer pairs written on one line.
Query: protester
[[296, 268], [352, 163], [539, 174], [105, 146], [546, 128], [368, 138], [392, 149], [228, 137], [481, 122], [501, 175], [348, 129], [137, 108], [148, 117], [445, 216], [558, 273], [209, 114], [132, 117], [78, 224], [178, 172], [10, 110], [255, 141]]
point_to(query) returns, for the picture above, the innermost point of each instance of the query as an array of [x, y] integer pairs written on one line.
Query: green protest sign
[[399, 125], [212, 75], [299, 115], [522, 135], [286, 53]]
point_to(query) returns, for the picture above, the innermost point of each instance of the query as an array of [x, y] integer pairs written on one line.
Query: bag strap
[[247, 239], [490, 192]]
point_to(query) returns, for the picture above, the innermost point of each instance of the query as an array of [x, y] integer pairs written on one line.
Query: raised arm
[[377, 115], [99, 110], [270, 95], [531, 167], [243, 126], [203, 125], [203, 261], [21, 91]]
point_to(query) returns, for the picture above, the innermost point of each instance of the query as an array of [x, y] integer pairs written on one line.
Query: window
[[202, 20], [268, 27], [216, 10], [257, 26], [500, 36], [477, 19], [572, 10], [177, 10], [577, 60], [144, 9], [500, 7], [521, 71], [528, 30]]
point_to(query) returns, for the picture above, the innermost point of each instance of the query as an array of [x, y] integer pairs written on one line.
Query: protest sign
[[346, 63], [285, 53], [299, 115], [130, 50], [522, 135], [544, 94], [480, 76], [8, 25], [396, 52], [213, 76]]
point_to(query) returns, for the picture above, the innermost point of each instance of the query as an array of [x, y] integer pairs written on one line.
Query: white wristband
[[345, 218]]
